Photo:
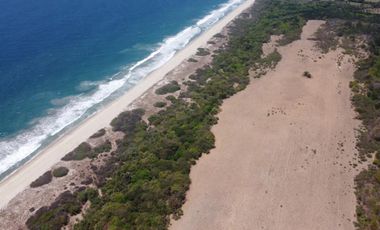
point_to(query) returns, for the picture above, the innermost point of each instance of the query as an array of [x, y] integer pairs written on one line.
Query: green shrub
[[270, 61], [46, 178], [171, 87], [103, 148], [374, 71], [127, 121], [192, 60], [90, 194], [171, 98], [377, 176], [202, 52], [219, 35], [60, 172], [160, 104], [307, 74], [79, 153], [100, 133], [354, 85]]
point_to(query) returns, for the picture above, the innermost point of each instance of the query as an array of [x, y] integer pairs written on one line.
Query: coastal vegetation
[[103, 148], [192, 60], [128, 121], [98, 134], [307, 74], [160, 104], [202, 52], [42, 180], [79, 153], [366, 99], [144, 182], [171, 87], [270, 61], [60, 172]]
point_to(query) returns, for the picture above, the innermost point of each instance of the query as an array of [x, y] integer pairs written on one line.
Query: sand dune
[[283, 150]]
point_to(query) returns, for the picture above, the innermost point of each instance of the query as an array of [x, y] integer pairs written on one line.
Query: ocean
[[61, 61]]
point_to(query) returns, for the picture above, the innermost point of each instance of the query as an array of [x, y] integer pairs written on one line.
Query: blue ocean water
[[61, 59]]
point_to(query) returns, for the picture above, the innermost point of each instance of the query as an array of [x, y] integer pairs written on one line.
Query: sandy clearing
[[283, 149], [18, 181]]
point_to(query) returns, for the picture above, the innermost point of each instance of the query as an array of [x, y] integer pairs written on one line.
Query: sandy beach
[[284, 152], [51, 155]]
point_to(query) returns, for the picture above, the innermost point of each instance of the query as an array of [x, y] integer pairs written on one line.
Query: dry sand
[[283, 150], [21, 179]]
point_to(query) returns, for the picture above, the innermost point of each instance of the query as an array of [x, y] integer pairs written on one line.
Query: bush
[[219, 35], [354, 85], [307, 74], [79, 153], [160, 104], [202, 52], [103, 148], [271, 60], [171, 98], [192, 60], [127, 121], [100, 133], [60, 172], [42, 180], [171, 87]]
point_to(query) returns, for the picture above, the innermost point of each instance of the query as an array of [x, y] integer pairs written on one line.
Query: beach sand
[[45, 160], [284, 149]]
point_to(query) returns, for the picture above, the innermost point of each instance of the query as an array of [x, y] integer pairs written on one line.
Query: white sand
[[18, 181], [283, 149]]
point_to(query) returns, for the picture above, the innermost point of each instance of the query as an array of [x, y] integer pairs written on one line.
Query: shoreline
[[16, 182]]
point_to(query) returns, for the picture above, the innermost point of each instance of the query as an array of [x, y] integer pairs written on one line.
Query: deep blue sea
[[60, 60]]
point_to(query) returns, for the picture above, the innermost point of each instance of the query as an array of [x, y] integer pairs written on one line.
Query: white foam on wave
[[87, 85], [18, 148]]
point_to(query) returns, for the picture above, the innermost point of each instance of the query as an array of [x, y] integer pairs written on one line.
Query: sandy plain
[[284, 149]]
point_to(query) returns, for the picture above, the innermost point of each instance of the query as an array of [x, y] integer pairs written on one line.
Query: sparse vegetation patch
[[160, 104], [171, 87], [46, 178], [203, 52], [192, 60], [103, 148], [60, 172], [307, 74], [79, 153], [98, 134]]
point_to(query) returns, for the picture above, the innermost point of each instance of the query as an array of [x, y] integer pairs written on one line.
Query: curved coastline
[[44, 160], [18, 149]]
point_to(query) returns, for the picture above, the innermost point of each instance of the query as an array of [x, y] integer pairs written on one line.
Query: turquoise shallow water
[[59, 60]]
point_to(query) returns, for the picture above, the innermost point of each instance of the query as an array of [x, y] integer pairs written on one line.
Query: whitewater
[[16, 150]]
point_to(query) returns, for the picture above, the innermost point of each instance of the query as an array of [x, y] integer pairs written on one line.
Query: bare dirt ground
[[284, 152]]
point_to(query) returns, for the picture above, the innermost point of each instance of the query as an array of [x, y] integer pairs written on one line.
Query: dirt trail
[[283, 150]]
